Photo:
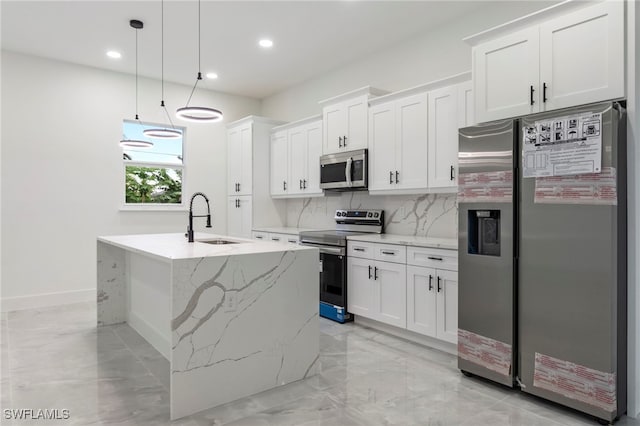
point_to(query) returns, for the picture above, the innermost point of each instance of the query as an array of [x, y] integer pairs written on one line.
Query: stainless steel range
[[333, 257]]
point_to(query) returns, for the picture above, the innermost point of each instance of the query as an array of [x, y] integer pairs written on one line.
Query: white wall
[[62, 171]]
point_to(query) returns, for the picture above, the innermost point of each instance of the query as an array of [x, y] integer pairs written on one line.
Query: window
[[153, 176]]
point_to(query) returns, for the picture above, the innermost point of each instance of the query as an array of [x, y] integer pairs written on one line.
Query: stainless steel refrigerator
[[542, 256]]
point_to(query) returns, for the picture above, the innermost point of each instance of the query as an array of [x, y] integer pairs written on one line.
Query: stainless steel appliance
[[333, 257], [542, 256], [344, 171]]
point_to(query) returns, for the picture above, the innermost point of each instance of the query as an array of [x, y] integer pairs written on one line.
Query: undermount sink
[[217, 241]]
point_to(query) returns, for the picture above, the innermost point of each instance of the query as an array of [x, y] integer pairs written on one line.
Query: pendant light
[[163, 132], [136, 143], [198, 113]]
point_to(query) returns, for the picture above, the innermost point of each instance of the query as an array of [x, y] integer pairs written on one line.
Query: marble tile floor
[[57, 358]]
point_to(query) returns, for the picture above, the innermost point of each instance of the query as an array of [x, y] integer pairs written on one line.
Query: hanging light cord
[[162, 64], [137, 75], [199, 58]]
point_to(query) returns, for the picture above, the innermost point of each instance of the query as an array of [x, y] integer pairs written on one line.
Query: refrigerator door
[[485, 251], [572, 282]]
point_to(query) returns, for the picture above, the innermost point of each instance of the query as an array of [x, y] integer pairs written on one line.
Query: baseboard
[[408, 335], [20, 303], [150, 334]]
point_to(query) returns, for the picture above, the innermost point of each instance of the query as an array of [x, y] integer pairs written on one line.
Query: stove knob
[[369, 214], [376, 214]]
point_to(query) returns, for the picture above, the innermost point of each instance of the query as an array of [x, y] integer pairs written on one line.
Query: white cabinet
[[382, 146], [361, 293], [239, 159], [295, 159], [239, 216], [466, 108], [570, 60], [447, 305], [344, 119], [279, 163], [443, 137]]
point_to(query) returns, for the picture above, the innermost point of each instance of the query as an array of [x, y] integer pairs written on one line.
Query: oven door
[[333, 276]]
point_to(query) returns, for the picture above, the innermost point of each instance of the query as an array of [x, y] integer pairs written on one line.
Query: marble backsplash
[[429, 215]]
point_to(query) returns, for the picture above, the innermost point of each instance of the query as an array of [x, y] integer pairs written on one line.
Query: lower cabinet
[[432, 302], [377, 290]]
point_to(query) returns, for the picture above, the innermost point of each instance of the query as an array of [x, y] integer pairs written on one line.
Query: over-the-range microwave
[[344, 171]]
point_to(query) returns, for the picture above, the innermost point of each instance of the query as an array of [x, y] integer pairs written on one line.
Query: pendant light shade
[[163, 132], [198, 114], [135, 143]]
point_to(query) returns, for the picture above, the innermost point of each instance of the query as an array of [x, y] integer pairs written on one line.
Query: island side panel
[[241, 325], [111, 284]]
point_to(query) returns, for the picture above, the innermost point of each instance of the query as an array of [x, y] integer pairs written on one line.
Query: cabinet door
[[334, 123], [234, 217], [355, 123], [465, 104], [504, 72], [314, 151], [246, 160], [234, 160], [421, 300], [297, 159], [411, 136], [278, 164], [382, 147], [246, 216], [447, 305], [361, 290], [392, 293], [582, 56], [443, 137]]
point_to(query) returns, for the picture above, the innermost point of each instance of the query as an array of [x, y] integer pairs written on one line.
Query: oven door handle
[[330, 250]]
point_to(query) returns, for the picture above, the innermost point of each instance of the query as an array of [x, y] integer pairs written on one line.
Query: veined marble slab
[[243, 319]]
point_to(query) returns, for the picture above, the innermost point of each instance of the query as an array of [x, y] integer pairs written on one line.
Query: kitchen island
[[233, 319]]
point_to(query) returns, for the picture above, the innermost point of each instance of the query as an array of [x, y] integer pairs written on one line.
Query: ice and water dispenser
[[484, 232]]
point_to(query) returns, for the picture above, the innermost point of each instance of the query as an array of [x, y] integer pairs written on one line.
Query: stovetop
[[348, 222], [330, 237]]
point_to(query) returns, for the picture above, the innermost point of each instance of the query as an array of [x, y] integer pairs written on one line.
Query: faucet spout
[[191, 216]]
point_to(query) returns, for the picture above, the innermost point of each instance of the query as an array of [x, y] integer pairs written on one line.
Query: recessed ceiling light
[[212, 75], [113, 54], [265, 42]]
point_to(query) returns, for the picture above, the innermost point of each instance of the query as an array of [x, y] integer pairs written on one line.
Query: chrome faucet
[[191, 216]]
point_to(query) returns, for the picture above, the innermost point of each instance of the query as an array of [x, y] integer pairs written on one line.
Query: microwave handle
[[347, 171]]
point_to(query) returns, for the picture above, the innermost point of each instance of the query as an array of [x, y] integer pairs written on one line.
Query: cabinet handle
[[451, 172], [439, 286], [390, 177], [369, 271], [344, 141], [275, 239], [392, 253], [397, 181], [300, 183], [304, 184], [544, 92], [238, 187], [434, 258], [237, 203], [284, 185], [293, 241], [259, 237], [340, 142], [358, 249], [430, 282], [531, 90], [375, 272]]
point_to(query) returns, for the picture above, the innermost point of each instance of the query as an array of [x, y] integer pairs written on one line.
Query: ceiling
[[311, 37]]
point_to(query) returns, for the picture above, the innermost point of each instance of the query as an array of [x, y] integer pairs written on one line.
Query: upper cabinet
[[344, 120], [295, 159], [413, 137], [239, 161], [572, 59]]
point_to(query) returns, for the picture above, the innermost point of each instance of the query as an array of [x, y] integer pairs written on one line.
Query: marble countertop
[[176, 246], [407, 240], [284, 230]]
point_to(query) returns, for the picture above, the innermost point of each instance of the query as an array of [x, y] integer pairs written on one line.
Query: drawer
[[360, 249], [263, 236], [433, 258], [390, 253]]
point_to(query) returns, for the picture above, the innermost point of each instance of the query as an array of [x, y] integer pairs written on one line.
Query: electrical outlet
[[230, 301]]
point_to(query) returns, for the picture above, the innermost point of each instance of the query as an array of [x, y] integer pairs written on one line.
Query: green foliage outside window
[[153, 185]]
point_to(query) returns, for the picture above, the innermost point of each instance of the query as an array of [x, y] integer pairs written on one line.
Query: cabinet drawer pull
[[358, 249], [544, 92], [391, 253], [238, 187], [430, 282], [390, 177], [369, 271], [451, 172], [300, 183], [344, 141], [293, 241], [439, 286], [259, 237], [434, 258], [304, 184], [284, 185], [531, 90], [275, 239], [375, 272], [397, 173], [340, 142]]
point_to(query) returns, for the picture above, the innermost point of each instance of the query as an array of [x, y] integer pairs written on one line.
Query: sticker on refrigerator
[[485, 187], [485, 352], [591, 188], [560, 146], [575, 381]]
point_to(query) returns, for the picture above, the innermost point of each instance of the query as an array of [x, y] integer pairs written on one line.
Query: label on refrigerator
[[485, 352], [568, 145], [575, 381], [591, 188], [485, 187]]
